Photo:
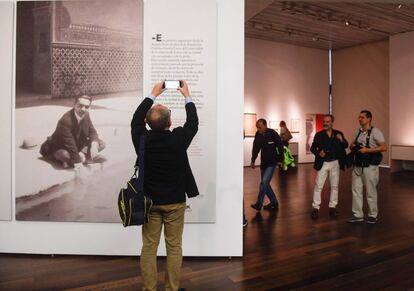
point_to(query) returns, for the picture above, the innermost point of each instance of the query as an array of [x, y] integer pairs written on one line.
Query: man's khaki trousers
[[172, 217], [369, 178]]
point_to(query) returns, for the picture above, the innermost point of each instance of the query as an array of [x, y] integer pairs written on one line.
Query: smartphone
[[170, 84]]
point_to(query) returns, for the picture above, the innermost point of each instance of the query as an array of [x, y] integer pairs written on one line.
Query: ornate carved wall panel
[[84, 70]]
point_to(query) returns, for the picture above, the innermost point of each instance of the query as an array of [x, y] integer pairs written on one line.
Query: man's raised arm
[[138, 121], [191, 123]]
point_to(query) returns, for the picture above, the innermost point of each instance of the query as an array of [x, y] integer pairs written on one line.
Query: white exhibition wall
[[6, 86], [223, 238], [402, 89], [188, 54], [285, 82]]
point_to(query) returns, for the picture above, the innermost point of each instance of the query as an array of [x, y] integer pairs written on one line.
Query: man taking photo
[[167, 180]]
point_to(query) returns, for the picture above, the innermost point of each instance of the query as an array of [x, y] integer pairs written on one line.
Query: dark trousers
[[265, 188]]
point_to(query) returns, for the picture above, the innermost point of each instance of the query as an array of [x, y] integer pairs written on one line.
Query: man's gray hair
[[158, 118]]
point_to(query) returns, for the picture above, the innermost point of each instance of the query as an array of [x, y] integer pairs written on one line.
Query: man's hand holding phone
[[158, 89], [184, 88]]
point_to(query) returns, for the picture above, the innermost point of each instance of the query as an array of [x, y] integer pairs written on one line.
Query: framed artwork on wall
[[250, 124], [273, 124], [295, 125], [314, 123]]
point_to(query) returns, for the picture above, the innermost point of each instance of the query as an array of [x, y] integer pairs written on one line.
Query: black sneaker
[[245, 222], [315, 214], [271, 206], [354, 219], [333, 213], [256, 206], [372, 220]]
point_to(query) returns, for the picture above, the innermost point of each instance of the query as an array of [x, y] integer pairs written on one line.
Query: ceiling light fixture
[[258, 26], [324, 15], [399, 6], [262, 26]]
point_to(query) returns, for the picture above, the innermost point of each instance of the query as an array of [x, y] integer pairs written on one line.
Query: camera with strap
[[366, 159]]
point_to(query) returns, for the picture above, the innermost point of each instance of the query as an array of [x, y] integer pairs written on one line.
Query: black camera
[[356, 158], [357, 147]]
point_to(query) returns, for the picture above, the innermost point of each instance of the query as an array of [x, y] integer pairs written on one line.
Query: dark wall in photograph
[[70, 48], [24, 46]]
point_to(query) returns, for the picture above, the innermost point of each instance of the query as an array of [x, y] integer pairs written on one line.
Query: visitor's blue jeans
[[265, 188]]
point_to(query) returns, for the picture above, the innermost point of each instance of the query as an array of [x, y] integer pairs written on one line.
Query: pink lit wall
[[284, 82], [402, 89], [360, 81]]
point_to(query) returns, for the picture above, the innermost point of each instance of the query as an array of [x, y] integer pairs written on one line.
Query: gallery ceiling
[[325, 25]]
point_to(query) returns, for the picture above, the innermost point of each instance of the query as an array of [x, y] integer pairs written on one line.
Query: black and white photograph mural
[[78, 81]]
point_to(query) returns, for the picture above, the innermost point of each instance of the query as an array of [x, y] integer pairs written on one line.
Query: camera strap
[[368, 137], [356, 139]]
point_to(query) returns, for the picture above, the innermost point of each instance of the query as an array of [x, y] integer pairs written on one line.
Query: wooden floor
[[283, 250]]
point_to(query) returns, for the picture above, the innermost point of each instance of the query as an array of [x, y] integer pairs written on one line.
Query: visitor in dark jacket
[[168, 179], [268, 142]]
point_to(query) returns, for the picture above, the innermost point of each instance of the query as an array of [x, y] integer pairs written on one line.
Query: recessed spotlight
[[315, 38], [268, 26], [399, 6], [347, 23]]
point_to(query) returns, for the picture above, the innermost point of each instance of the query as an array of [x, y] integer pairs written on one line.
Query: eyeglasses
[[83, 106]]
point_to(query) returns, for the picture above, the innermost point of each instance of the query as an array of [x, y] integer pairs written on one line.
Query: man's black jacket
[[267, 144], [168, 176], [333, 146]]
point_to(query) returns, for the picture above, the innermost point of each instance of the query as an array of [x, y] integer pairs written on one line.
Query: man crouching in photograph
[[75, 140]]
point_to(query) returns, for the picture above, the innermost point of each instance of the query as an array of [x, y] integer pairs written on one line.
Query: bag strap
[[289, 134], [368, 137], [356, 139], [139, 165]]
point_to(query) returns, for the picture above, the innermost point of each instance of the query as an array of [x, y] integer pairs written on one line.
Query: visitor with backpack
[[168, 179]]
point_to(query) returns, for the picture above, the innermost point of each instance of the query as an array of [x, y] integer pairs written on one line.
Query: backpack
[[134, 205], [288, 159]]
